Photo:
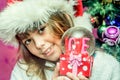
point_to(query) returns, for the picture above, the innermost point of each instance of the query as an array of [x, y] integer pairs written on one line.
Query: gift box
[[76, 59]]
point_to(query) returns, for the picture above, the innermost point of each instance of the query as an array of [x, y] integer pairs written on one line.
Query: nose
[[39, 42]]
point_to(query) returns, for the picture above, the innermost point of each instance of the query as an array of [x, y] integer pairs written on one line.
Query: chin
[[54, 59]]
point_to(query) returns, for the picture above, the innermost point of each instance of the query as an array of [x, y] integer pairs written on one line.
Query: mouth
[[48, 51]]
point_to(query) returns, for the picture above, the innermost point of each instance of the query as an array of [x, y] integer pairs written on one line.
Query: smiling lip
[[49, 51]]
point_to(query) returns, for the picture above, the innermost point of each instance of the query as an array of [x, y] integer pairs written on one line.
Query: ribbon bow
[[75, 61]]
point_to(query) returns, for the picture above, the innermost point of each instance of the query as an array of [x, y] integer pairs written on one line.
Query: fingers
[[56, 75], [81, 77], [62, 78], [72, 76]]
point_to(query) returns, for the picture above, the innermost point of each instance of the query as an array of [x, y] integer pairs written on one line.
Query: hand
[[56, 75], [81, 77], [73, 77]]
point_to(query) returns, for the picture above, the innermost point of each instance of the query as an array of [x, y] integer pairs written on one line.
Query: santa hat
[[20, 16]]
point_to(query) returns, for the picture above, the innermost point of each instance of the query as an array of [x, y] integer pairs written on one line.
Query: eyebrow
[[23, 36], [27, 34]]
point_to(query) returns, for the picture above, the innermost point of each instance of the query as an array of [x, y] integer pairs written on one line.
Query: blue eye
[[27, 42]]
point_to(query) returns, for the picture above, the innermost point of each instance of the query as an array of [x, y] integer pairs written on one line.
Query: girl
[[36, 27]]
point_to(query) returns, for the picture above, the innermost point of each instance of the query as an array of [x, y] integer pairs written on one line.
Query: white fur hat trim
[[20, 16]]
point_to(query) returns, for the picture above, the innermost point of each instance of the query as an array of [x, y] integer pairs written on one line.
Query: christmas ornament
[[111, 35], [101, 29]]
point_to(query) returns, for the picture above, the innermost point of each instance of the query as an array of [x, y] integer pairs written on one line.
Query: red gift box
[[76, 58]]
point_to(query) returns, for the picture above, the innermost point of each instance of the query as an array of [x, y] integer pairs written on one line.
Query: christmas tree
[[105, 18]]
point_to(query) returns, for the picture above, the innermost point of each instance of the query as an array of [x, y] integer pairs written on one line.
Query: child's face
[[42, 44]]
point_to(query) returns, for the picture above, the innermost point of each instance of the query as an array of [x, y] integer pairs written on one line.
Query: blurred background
[[8, 54], [105, 18]]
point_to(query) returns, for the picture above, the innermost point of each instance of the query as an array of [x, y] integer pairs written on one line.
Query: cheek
[[36, 53], [55, 40], [33, 50]]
